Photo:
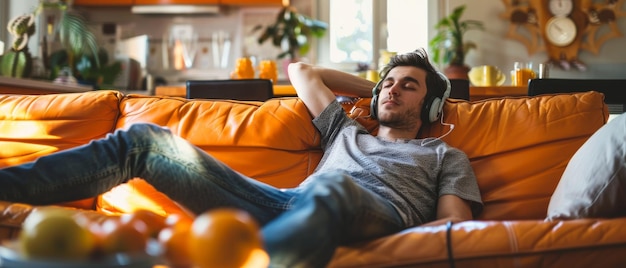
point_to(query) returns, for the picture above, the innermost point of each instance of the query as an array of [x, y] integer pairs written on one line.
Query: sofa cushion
[[517, 146], [594, 182], [274, 141], [520, 146], [37, 125]]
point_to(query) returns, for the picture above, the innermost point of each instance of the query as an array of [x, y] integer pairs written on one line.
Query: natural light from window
[[351, 31], [361, 29]]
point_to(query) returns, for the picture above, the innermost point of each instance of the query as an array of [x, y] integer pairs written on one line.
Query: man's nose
[[394, 90]]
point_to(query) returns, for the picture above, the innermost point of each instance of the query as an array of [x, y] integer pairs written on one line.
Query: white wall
[[495, 49]]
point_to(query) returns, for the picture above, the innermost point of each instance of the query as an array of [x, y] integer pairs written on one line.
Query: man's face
[[401, 97]]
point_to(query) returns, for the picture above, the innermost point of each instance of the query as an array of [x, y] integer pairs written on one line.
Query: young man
[[365, 186]]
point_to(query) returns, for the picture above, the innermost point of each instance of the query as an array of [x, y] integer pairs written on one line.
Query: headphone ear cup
[[374, 107], [426, 108], [374, 101], [433, 113]]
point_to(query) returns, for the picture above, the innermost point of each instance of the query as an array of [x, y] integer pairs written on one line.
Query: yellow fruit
[[54, 234], [223, 238]]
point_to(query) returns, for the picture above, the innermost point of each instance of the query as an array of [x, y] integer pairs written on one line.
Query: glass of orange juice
[[522, 72]]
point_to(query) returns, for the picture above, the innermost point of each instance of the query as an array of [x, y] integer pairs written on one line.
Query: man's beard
[[400, 121]]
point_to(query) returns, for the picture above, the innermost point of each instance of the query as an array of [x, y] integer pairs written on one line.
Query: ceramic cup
[[486, 75]]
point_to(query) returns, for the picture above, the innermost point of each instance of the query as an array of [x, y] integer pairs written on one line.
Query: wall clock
[[563, 28], [561, 7], [560, 31]]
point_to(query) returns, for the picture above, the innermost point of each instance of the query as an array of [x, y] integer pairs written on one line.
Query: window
[[4, 6], [360, 29]]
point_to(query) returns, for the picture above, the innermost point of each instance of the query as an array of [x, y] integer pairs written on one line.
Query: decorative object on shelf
[[563, 28], [449, 47], [292, 32], [268, 70], [17, 62], [486, 76], [522, 72], [243, 69]]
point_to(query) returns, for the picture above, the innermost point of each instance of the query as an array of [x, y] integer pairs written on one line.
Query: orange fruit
[[223, 238], [117, 236], [174, 241], [175, 219], [54, 234], [153, 221]]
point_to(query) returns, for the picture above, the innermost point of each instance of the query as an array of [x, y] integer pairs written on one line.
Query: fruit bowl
[[10, 257]]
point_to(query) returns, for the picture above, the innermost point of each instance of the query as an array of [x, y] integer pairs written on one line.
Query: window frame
[[436, 10], [4, 14], [379, 8]]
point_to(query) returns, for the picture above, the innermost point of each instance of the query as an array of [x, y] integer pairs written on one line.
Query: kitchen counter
[[10, 85]]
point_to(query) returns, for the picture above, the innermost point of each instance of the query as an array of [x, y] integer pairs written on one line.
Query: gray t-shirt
[[412, 174]]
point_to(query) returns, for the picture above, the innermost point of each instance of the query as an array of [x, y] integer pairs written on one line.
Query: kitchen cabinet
[[252, 2], [176, 2], [103, 3]]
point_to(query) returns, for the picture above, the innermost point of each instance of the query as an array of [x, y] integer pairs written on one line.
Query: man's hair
[[435, 85]]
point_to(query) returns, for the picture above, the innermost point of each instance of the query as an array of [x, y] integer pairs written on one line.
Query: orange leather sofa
[[518, 147]]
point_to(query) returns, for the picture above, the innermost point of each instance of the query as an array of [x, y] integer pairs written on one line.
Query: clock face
[[560, 31], [561, 7]]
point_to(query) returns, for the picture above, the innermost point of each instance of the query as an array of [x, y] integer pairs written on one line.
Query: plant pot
[[457, 72]]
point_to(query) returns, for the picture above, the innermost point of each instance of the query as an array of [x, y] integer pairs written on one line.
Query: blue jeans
[[301, 226]]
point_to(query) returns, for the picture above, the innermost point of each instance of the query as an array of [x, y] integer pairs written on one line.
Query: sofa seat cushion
[[517, 146], [274, 141], [527, 243], [594, 182], [37, 125]]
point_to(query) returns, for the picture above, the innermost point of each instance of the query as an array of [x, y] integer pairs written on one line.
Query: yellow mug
[[486, 75]]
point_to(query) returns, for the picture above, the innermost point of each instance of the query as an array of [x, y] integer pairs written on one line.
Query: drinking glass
[[190, 48], [522, 72]]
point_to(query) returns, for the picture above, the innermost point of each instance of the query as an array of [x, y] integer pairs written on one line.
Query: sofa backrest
[[518, 146], [34, 126], [273, 141]]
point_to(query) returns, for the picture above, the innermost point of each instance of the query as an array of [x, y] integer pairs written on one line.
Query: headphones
[[433, 105]]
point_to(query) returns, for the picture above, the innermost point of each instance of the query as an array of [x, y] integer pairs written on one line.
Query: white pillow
[[594, 182]]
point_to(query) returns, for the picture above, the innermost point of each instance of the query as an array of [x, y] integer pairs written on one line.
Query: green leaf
[[448, 46], [76, 37], [292, 30]]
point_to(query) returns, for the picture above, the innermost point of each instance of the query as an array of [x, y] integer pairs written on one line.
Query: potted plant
[[17, 62], [448, 46], [74, 37], [78, 44], [292, 32]]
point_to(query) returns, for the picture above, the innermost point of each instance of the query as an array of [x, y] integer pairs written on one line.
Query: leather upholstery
[[518, 147]]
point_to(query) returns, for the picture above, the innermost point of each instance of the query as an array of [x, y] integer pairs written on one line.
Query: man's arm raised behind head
[[317, 86]]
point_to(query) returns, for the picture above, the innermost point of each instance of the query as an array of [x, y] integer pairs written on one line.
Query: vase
[[457, 72]]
